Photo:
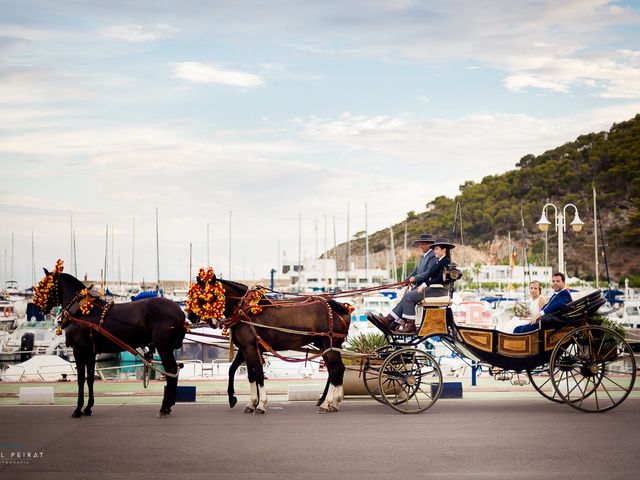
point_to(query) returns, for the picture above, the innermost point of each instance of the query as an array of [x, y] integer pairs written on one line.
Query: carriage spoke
[[604, 372]]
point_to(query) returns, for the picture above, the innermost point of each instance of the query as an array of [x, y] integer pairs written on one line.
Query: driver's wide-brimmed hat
[[442, 242], [425, 237]]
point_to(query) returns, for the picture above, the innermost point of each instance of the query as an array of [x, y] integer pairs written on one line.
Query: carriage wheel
[[544, 386], [371, 371], [593, 369], [407, 378]]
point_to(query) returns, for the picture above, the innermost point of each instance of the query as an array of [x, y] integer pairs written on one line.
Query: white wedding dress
[[534, 311]]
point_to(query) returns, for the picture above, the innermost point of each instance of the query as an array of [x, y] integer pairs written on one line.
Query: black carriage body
[[509, 351]]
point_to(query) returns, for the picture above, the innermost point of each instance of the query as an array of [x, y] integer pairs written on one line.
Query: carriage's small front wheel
[[410, 380], [371, 370], [592, 369]]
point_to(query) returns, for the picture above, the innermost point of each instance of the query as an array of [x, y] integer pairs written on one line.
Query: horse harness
[[245, 307]]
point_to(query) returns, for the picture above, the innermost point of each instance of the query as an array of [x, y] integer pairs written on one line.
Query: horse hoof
[[87, 413], [232, 402], [259, 411], [76, 414], [248, 410], [333, 409], [163, 413], [323, 410]]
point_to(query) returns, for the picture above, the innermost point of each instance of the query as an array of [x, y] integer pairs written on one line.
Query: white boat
[[41, 368], [378, 304], [33, 338], [8, 316]]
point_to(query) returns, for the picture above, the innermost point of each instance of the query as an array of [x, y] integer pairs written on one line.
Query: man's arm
[[557, 303], [431, 261]]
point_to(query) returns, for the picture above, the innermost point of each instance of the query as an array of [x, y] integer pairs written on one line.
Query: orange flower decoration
[[42, 291], [206, 303]]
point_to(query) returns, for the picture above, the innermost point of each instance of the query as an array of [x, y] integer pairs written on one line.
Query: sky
[[245, 119]]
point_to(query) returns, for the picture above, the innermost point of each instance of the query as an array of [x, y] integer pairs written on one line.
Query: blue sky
[[111, 109]]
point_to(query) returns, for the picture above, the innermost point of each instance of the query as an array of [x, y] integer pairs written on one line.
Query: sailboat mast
[[325, 281], [299, 250], [71, 244], [394, 275], [33, 261], [191, 258], [133, 249], [157, 249], [595, 236], [75, 256], [229, 244], [335, 252], [404, 255], [348, 249], [366, 245], [106, 255]]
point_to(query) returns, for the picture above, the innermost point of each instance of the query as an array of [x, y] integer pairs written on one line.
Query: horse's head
[[344, 311], [47, 294], [206, 298]]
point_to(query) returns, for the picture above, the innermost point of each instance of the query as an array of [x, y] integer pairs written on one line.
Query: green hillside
[[496, 205]]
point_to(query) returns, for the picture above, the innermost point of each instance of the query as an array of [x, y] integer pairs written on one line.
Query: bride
[[537, 303]]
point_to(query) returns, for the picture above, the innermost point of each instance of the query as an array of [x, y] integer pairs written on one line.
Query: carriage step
[[449, 389], [304, 392], [36, 396]]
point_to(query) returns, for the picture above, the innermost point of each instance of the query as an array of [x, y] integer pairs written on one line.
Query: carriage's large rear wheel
[[592, 369], [410, 380], [544, 386]]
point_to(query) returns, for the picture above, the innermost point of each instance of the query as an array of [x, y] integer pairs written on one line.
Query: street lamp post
[[561, 227]]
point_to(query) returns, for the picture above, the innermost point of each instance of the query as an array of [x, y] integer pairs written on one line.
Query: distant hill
[[497, 206]]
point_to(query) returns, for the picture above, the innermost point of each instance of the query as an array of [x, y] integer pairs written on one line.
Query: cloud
[[138, 33], [516, 83], [206, 73]]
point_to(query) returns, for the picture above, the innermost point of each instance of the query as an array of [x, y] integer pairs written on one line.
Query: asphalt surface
[[521, 438]]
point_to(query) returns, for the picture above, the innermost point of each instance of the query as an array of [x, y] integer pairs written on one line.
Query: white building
[[504, 274], [322, 275]]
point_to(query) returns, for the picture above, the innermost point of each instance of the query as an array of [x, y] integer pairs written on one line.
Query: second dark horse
[[315, 318]]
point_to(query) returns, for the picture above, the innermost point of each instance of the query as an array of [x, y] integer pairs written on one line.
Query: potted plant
[[364, 344], [607, 342]]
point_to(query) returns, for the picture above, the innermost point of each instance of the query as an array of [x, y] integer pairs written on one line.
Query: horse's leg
[[335, 392], [80, 358], [91, 373], [261, 408], [237, 361], [253, 367], [170, 366]]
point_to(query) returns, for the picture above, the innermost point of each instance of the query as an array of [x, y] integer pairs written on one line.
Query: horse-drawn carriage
[[568, 360], [589, 367]]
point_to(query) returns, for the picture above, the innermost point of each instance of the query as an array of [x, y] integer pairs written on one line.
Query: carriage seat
[[584, 304], [435, 295]]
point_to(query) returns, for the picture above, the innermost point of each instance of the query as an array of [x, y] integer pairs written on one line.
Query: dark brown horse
[[314, 317], [154, 322]]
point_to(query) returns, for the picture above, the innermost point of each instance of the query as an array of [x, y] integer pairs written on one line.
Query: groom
[[557, 302]]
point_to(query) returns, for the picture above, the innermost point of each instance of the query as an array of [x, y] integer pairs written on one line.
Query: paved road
[[522, 438]]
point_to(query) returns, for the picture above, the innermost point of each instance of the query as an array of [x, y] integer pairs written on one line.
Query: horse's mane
[[338, 307], [238, 286], [75, 283]]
